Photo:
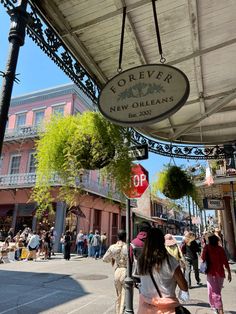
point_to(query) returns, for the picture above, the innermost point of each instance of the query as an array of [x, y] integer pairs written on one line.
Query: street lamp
[[19, 18]]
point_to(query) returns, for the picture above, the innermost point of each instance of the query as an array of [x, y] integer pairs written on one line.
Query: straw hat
[[169, 240]]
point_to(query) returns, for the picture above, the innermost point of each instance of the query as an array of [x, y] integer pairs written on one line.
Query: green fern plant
[[73, 143], [174, 183]]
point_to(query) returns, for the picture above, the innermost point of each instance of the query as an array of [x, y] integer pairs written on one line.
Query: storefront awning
[[144, 217], [76, 210], [194, 38]]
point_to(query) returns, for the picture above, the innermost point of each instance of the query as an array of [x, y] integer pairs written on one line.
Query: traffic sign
[[139, 182], [138, 152]]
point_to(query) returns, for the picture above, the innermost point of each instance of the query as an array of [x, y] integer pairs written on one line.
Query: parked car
[[179, 239]]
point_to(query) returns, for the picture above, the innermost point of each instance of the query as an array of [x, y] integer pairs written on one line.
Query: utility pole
[[19, 18], [190, 215], [234, 206], [202, 224]]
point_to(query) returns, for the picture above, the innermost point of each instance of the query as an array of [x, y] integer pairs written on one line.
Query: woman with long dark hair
[[216, 259], [160, 273]]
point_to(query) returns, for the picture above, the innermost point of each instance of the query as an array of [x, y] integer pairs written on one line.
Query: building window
[[20, 120], [15, 164], [58, 110], [38, 117], [157, 209], [32, 163]]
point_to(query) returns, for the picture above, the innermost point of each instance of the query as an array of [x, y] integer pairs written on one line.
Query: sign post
[[139, 184], [129, 292]]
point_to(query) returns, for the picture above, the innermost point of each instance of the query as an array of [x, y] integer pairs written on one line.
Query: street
[[80, 285]]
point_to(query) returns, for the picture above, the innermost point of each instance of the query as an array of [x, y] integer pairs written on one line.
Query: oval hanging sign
[[144, 95]]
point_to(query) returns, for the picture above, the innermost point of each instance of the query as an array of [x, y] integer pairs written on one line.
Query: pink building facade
[[17, 169]]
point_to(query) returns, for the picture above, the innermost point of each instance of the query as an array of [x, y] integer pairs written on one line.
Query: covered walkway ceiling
[[198, 37]]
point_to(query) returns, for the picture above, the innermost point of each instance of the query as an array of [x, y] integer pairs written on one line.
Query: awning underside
[[197, 37]]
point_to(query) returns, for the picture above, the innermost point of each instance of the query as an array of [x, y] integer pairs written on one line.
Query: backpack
[[96, 240], [137, 250]]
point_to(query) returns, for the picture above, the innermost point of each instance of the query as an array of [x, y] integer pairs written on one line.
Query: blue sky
[[37, 71]]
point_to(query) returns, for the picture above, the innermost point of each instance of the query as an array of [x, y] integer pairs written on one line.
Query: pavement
[[81, 285]]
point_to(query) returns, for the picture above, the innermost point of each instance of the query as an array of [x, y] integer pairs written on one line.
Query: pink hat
[[169, 240]]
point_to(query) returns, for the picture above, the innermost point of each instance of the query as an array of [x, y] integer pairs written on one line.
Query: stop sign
[[139, 182]]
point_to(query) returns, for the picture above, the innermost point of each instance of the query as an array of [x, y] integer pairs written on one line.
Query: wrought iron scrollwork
[[8, 4], [51, 44], [178, 150]]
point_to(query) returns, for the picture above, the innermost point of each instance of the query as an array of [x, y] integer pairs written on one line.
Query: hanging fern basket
[[92, 144], [71, 144], [174, 183]]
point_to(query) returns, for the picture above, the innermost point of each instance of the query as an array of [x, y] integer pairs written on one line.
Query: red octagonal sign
[[139, 182]]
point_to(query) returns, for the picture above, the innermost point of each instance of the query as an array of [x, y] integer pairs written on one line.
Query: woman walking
[[117, 255], [160, 273], [216, 260]]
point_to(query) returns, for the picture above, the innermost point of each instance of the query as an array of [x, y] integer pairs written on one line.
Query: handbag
[[179, 309], [203, 267]]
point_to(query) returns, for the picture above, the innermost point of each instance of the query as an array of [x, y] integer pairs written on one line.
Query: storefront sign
[[138, 152], [213, 203], [144, 95]]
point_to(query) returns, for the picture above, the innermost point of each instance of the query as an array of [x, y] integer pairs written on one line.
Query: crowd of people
[[87, 245], [28, 245], [160, 265]]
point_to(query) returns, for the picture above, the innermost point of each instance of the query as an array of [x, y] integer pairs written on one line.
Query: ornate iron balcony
[[27, 180], [21, 133]]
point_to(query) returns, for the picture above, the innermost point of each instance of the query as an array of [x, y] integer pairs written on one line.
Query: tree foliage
[[73, 143]]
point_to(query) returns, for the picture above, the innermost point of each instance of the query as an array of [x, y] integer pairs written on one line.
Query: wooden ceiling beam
[[84, 57], [213, 127], [216, 106], [109, 16], [193, 16], [203, 51]]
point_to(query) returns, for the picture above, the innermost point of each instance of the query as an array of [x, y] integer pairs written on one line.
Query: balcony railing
[[21, 132], [24, 180]]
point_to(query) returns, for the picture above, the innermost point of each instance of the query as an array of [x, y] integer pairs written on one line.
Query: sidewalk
[[81, 286], [198, 303]]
